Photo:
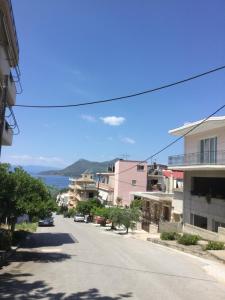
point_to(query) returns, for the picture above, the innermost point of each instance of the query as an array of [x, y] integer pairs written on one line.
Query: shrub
[[30, 227], [188, 239], [71, 212], [215, 246], [169, 236], [5, 239]]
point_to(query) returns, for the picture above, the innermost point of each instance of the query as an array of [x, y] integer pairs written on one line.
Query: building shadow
[[48, 239], [20, 287]]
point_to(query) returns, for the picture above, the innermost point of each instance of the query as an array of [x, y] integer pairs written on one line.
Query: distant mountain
[[37, 169], [77, 168]]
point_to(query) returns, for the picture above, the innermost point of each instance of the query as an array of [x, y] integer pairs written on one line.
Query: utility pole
[[3, 103], [125, 156]]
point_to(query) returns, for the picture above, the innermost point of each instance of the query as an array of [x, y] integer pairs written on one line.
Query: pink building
[[130, 176]]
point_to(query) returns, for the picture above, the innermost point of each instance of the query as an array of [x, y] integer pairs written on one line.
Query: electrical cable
[[126, 97], [173, 142]]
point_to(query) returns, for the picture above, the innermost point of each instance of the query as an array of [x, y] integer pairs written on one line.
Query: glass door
[[208, 151]]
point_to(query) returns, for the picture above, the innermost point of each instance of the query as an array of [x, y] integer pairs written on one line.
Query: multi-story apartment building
[[105, 187], [9, 70], [203, 163], [126, 176], [82, 189]]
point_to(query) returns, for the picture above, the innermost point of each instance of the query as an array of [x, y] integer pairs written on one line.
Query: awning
[[103, 195]]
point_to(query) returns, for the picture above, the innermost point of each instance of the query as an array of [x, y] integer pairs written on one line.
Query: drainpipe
[[3, 108]]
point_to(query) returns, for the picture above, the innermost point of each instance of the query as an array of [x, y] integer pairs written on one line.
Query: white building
[[63, 199], [203, 163]]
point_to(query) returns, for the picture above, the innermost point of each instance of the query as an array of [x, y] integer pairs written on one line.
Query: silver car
[[79, 218]]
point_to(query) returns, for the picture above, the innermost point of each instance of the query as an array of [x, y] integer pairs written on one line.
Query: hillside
[[77, 168]]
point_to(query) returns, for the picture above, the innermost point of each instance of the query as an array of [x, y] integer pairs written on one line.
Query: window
[[208, 150], [133, 182], [208, 186], [90, 195], [140, 168], [199, 221]]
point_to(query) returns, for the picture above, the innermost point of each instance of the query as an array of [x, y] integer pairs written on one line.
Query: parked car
[[79, 218], [86, 218], [100, 220], [48, 221]]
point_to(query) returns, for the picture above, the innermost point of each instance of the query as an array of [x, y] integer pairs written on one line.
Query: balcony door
[[208, 151]]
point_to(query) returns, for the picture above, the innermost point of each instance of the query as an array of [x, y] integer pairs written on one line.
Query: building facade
[[130, 176], [105, 187], [9, 71], [82, 189], [203, 163]]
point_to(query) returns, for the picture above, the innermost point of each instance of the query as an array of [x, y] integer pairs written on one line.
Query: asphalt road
[[82, 261]]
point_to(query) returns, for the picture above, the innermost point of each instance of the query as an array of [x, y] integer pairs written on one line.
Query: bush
[[169, 236], [188, 239], [5, 239], [29, 227], [71, 212], [215, 246]]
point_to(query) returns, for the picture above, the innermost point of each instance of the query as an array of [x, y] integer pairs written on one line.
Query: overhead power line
[[126, 97], [173, 142]]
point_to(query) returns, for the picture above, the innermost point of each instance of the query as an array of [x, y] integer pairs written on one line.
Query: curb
[[205, 254]]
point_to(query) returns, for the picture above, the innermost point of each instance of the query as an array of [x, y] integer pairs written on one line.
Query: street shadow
[[48, 239], [36, 256], [21, 287]]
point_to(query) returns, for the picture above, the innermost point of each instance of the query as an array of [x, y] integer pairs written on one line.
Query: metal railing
[[198, 158]]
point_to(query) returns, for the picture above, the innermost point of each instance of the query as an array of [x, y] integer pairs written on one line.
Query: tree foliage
[[21, 194], [137, 203], [86, 207]]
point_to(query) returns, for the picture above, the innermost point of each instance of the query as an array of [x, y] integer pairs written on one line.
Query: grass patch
[[188, 239], [29, 227], [215, 246], [169, 236]]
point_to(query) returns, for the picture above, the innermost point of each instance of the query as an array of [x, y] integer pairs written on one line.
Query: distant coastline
[[57, 181]]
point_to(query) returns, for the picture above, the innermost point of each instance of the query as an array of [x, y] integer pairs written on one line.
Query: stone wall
[[170, 227]]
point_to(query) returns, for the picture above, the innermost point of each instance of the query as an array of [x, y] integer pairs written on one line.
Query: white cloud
[[128, 140], [113, 120], [35, 160], [88, 118]]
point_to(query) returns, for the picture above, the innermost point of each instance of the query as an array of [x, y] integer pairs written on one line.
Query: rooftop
[[211, 123]]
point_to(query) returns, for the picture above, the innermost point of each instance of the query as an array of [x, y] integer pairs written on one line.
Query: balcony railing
[[198, 158]]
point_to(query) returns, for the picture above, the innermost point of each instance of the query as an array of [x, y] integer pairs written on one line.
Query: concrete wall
[[4, 62], [170, 227], [177, 202], [215, 211], [205, 234], [192, 142], [123, 180]]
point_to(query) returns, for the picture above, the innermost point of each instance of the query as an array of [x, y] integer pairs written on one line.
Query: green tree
[[115, 215], [86, 207], [137, 203], [21, 194], [129, 217]]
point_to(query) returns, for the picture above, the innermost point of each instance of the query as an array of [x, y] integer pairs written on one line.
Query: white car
[[79, 218]]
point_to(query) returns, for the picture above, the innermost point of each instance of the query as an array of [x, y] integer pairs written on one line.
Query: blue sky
[[77, 50]]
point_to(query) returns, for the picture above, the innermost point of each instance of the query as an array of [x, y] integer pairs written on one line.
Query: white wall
[[192, 142]]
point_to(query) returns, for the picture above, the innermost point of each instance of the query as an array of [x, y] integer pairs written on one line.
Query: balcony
[[7, 135], [198, 161], [84, 187]]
